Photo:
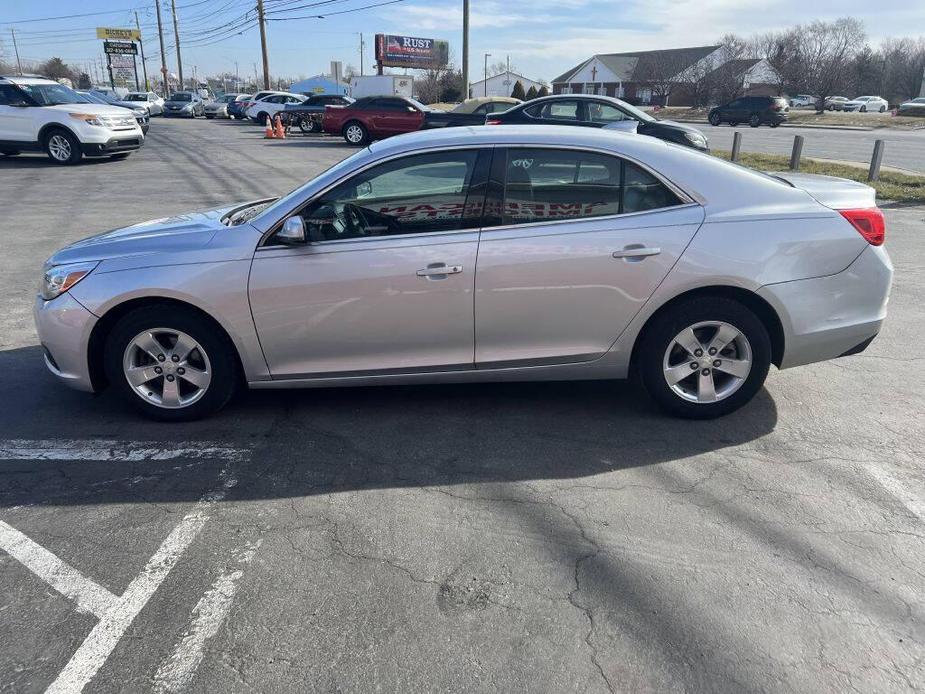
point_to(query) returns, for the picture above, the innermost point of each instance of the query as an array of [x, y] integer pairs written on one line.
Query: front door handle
[[636, 252], [439, 271]]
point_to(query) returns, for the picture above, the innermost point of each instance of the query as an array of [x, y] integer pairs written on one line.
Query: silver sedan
[[479, 254]]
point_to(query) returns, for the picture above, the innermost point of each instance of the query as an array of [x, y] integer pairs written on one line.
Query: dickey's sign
[[410, 51], [118, 34]]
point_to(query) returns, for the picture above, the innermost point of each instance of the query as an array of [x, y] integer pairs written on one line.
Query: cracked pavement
[[545, 537]]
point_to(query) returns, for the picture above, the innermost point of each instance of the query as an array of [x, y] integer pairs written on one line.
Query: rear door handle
[[636, 252], [439, 271]]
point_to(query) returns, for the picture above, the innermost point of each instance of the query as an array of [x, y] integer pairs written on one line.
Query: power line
[[331, 14]]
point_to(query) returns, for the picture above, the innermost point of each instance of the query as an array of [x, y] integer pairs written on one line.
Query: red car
[[374, 117]]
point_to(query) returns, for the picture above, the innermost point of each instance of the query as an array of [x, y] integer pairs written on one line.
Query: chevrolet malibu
[[479, 254]]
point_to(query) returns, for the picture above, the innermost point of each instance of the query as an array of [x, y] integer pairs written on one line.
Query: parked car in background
[[915, 107], [270, 105], [257, 97], [140, 112], [835, 103], [308, 114], [184, 104], [754, 110], [38, 114], [153, 101], [469, 112], [373, 118], [598, 112], [594, 256], [866, 104], [803, 101], [219, 107], [237, 107]]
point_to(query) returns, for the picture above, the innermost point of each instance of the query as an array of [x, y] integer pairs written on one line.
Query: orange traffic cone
[[280, 132], [268, 133]]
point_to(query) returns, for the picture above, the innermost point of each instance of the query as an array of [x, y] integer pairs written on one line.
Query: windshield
[[228, 98], [136, 97], [418, 104], [181, 96], [51, 94]]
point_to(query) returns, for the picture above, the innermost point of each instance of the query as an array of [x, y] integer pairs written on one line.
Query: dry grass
[[892, 186], [810, 117]]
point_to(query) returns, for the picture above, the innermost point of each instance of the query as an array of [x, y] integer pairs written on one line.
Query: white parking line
[[64, 578], [104, 637], [901, 491], [177, 670], [109, 450]]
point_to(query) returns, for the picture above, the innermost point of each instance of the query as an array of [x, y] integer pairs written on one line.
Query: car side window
[[547, 184], [601, 112], [483, 109], [411, 195], [555, 110], [735, 103]]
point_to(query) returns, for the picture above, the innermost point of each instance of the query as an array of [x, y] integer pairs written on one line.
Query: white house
[[501, 85]]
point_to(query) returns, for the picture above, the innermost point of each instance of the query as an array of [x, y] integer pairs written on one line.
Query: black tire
[[755, 120], [863, 109], [882, 109], [660, 334], [715, 119], [262, 118], [775, 124], [224, 365], [350, 127], [52, 143]]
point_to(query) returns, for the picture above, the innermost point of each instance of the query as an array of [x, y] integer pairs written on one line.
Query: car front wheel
[[704, 357], [715, 119], [170, 363], [62, 147], [755, 120]]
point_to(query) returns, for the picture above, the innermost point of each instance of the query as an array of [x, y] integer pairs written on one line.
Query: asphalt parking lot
[[506, 537]]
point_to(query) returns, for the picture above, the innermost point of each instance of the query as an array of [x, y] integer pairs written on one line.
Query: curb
[[855, 128]]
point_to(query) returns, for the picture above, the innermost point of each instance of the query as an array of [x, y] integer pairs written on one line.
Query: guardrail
[[796, 155]]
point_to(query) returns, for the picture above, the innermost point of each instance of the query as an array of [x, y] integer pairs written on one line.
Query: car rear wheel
[[170, 363], [715, 119], [355, 133], [863, 109], [262, 118], [755, 120], [704, 357], [882, 109], [62, 147]]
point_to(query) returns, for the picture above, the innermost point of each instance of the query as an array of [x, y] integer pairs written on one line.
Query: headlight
[[88, 118], [139, 112], [60, 278], [696, 139]]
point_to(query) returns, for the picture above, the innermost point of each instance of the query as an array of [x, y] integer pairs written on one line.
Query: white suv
[[38, 114], [270, 105]]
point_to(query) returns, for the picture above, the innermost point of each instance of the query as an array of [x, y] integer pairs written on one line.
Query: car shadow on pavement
[[317, 441], [34, 160]]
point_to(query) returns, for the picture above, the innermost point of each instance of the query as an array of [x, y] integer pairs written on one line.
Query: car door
[[559, 112], [582, 241], [396, 116], [386, 284], [601, 113], [15, 115], [735, 111]]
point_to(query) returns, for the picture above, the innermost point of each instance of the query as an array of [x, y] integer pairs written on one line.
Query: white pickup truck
[[39, 114]]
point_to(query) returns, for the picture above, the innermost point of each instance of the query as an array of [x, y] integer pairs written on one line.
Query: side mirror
[[293, 231]]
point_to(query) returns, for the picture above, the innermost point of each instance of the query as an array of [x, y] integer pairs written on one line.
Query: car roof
[[28, 79]]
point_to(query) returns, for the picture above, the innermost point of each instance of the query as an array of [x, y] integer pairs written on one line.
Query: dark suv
[[753, 110]]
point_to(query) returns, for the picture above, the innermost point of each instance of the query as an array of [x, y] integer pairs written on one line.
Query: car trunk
[[835, 193]]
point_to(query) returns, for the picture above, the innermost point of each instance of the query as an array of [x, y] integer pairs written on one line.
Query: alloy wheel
[[167, 368], [59, 147], [707, 362], [354, 134]]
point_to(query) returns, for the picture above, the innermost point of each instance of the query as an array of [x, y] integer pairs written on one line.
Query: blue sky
[[542, 37]]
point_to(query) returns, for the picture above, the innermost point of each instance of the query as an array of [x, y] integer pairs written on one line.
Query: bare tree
[[903, 63], [499, 68], [781, 50], [826, 51], [660, 72]]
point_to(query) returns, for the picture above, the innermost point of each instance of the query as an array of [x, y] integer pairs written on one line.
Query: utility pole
[[160, 33], [176, 36], [16, 48], [485, 82], [144, 65], [262, 20], [361, 55], [237, 81], [465, 57]]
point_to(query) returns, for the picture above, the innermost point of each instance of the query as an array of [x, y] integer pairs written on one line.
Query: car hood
[[185, 232], [91, 109]]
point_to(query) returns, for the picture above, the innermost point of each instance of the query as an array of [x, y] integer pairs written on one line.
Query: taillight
[[869, 222], [493, 121]]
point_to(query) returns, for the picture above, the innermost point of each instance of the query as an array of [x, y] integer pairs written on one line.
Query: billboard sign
[[410, 51], [119, 48], [118, 34], [122, 61]]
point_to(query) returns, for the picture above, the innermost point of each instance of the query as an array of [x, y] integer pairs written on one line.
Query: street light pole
[[485, 82], [465, 55]]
